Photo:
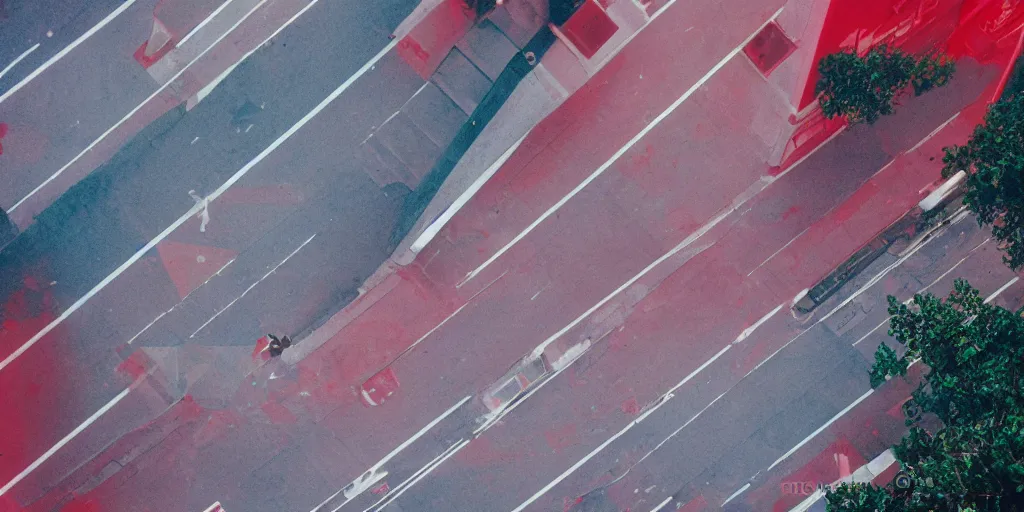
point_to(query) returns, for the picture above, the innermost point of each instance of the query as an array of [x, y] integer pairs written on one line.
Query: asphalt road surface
[[655, 274]]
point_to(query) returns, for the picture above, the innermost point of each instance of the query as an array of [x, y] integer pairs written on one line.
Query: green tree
[[993, 159], [974, 354], [866, 88]]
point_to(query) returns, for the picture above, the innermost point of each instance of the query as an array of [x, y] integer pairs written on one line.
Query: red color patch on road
[[560, 438], [189, 266], [377, 389], [695, 505], [631, 406]]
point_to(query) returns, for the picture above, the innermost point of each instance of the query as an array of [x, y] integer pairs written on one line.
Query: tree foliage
[[974, 354], [993, 159], [866, 88]]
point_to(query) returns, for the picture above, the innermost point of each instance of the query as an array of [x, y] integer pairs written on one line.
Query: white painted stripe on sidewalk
[[21, 57], [60, 55], [197, 207], [618, 154], [821, 429], [139, 107], [369, 476], [78, 430]]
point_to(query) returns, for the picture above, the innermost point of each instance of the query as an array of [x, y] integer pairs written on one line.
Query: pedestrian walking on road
[[277, 345]]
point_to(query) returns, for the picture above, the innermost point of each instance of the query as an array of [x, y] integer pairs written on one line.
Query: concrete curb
[[912, 227]]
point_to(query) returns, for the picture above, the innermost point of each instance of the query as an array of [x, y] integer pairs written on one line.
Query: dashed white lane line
[[821, 429], [657, 405], [249, 289], [195, 209], [374, 474], [21, 57], [618, 154], [733, 496], [182, 301], [139, 107], [60, 444], [60, 55]]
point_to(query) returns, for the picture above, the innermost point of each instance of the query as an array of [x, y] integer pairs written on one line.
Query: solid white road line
[[96, 28], [137, 108], [32, 467], [202, 24], [247, 290], [369, 475], [589, 456], [205, 91], [750, 330], [820, 429], [662, 504], [434, 228], [421, 474], [618, 154], [19, 59], [662, 400], [1002, 289], [735, 494], [195, 209]]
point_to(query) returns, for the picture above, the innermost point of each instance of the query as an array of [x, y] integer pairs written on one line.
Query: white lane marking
[[195, 209], [419, 475], [376, 467], [434, 228], [618, 154], [817, 148], [19, 59], [1002, 289], [202, 24], [820, 429], [589, 456], [249, 289], [933, 133], [682, 245], [182, 301], [662, 400], [926, 288], [78, 430], [137, 108], [735, 494], [872, 331], [750, 330], [662, 504], [205, 91], [74, 44], [776, 253]]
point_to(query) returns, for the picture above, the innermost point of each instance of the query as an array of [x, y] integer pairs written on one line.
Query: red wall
[[861, 24]]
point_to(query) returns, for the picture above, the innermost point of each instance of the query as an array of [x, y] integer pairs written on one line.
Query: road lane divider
[[196, 208]]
